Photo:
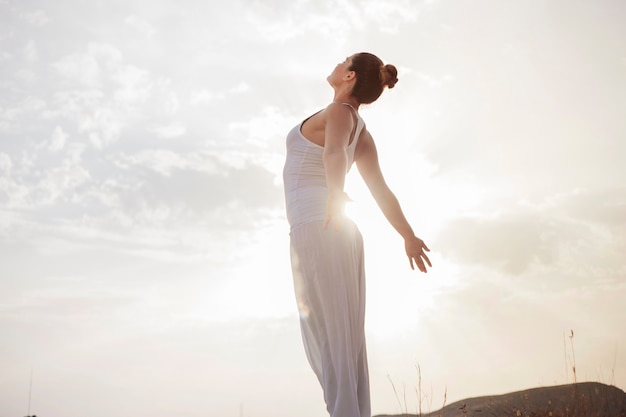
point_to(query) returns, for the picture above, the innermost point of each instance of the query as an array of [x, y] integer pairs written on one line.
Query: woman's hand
[[335, 209], [415, 248]]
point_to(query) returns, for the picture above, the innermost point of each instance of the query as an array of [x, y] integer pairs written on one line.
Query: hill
[[587, 399]]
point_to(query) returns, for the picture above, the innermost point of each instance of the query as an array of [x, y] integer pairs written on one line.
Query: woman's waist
[[306, 204]]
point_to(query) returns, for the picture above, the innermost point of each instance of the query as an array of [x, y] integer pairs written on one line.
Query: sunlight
[[259, 284], [397, 296]]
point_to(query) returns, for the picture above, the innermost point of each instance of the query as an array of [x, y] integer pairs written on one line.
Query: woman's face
[[340, 71]]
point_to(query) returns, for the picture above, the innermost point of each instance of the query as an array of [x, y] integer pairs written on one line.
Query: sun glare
[[259, 286], [397, 297]]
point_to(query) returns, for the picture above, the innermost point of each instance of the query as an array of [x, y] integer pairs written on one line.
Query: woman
[[326, 247]]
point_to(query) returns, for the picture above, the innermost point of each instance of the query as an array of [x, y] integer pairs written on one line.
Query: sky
[[144, 249]]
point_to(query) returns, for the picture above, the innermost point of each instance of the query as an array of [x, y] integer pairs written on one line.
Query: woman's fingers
[[420, 259], [426, 259], [326, 221]]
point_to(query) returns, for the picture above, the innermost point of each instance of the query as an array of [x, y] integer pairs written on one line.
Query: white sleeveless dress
[[329, 279]]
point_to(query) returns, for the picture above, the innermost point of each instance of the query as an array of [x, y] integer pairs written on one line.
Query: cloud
[[61, 183], [277, 23], [30, 52], [579, 233], [93, 176], [12, 193], [509, 117], [103, 95], [263, 136], [602, 206], [89, 68], [135, 85], [5, 164], [170, 131], [164, 161], [511, 243], [142, 203], [172, 182], [12, 118], [142, 26], [57, 141], [389, 16], [36, 18], [204, 96]]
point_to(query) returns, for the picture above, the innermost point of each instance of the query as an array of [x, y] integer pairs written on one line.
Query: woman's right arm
[[339, 124], [366, 158]]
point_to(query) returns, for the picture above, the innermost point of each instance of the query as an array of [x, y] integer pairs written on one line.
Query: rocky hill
[[587, 399]]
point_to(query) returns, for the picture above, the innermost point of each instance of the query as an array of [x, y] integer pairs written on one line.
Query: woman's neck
[[346, 98]]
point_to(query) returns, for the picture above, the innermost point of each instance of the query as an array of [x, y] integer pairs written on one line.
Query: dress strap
[[348, 104]]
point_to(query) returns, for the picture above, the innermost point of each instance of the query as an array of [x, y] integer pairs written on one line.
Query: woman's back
[[304, 175]]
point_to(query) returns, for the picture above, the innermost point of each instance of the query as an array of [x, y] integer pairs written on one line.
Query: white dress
[[329, 279]]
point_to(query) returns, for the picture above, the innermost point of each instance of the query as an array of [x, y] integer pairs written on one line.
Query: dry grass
[[586, 399]]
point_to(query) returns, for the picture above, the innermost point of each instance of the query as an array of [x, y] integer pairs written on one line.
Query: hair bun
[[388, 75]]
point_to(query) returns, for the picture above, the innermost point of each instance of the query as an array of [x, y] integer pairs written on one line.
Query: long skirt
[[329, 281]]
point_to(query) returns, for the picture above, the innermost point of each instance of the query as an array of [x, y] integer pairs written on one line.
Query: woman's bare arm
[[366, 158], [339, 125]]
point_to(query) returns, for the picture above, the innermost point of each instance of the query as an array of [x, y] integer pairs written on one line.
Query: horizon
[[145, 249]]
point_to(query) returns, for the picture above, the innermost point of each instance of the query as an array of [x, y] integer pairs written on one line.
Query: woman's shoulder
[[338, 111], [341, 107]]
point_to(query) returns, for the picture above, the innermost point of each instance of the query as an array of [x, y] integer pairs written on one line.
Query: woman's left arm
[[366, 158]]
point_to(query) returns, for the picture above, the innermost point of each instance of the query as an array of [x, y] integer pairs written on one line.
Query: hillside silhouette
[[586, 399]]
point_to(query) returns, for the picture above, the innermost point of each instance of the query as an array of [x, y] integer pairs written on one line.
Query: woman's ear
[[350, 75]]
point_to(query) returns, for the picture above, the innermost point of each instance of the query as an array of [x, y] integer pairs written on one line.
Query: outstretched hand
[[415, 248]]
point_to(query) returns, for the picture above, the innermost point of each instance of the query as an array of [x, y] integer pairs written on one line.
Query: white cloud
[[17, 197], [11, 192], [26, 74], [240, 88], [103, 63], [134, 84], [432, 81], [168, 101], [579, 234], [272, 28], [90, 67], [162, 161], [389, 16], [30, 51], [29, 106], [141, 25], [282, 24], [5, 164], [332, 20], [102, 125], [61, 182], [57, 141], [113, 95], [170, 131], [263, 129], [204, 96], [263, 136], [37, 17], [597, 207], [511, 243]]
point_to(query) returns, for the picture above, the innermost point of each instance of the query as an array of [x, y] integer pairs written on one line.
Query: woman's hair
[[372, 76]]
